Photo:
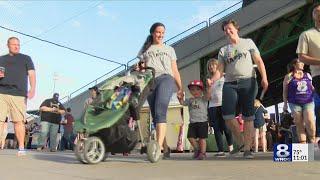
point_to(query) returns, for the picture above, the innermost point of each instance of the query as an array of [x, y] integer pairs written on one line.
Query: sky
[[112, 30]]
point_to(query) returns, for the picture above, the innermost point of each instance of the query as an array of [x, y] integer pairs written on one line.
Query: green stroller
[[103, 127]]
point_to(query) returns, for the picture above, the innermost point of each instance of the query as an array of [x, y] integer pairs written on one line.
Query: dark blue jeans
[[219, 126], [241, 92], [67, 141], [160, 97]]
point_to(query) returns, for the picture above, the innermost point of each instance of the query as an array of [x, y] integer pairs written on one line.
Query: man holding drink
[[15, 68]]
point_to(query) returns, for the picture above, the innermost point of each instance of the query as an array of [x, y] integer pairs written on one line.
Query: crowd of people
[[231, 85], [226, 100], [232, 89]]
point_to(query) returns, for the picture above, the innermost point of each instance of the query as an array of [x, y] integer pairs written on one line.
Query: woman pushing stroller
[[162, 58]]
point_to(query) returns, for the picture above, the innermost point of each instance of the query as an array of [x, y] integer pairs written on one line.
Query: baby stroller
[[104, 129]]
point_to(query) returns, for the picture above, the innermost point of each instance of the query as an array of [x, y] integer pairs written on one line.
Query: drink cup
[[2, 72], [229, 53]]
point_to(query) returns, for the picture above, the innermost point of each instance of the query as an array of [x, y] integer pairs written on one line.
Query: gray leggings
[[160, 97]]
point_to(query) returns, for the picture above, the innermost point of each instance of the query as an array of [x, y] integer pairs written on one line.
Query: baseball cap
[[196, 83]]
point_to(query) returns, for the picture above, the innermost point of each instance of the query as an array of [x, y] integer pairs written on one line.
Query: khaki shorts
[[12, 106]]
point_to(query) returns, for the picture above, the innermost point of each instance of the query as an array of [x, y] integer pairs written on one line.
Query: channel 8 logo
[[282, 152]]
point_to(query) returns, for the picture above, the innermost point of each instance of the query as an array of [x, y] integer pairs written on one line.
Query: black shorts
[[198, 130]]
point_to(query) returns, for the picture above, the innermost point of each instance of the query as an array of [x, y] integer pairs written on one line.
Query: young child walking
[[198, 127]]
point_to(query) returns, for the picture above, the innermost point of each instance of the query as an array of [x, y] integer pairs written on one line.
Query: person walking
[[298, 93], [308, 51], [240, 87], [215, 111], [15, 69], [51, 113], [163, 59], [198, 112]]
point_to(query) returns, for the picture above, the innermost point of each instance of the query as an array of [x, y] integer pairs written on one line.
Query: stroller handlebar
[[152, 70], [133, 68]]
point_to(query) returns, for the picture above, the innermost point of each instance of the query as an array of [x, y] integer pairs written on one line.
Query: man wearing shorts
[[308, 50], [16, 68]]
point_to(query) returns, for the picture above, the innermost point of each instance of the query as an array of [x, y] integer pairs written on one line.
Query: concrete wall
[[188, 74]]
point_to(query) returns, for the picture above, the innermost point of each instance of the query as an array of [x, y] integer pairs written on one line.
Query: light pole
[[55, 78]]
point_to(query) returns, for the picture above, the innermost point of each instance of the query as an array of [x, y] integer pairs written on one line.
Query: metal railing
[[225, 10], [243, 26], [187, 33], [129, 62], [194, 30], [95, 82]]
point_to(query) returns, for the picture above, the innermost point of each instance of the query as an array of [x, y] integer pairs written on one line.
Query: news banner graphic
[[295, 152]]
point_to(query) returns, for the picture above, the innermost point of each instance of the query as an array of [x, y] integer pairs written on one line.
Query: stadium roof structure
[[275, 27]]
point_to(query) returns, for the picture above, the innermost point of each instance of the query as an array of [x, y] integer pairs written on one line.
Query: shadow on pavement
[[69, 158], [238, 157], [57, 157]]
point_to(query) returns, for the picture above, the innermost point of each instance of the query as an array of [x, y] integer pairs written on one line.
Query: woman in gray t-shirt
[[240, 87], [163, 59]]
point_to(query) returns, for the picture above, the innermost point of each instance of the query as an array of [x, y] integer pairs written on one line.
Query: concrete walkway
[[64, 166]]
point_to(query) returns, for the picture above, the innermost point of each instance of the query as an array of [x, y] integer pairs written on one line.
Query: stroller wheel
[[94, 150], [153, 151], [79, 151]]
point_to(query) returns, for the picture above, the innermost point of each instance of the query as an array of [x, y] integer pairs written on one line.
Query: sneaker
[[220, 154], [236, 150], [248, 155], [196, 153], [22, 152], [39, 149], [202, 156], [166, 155]]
